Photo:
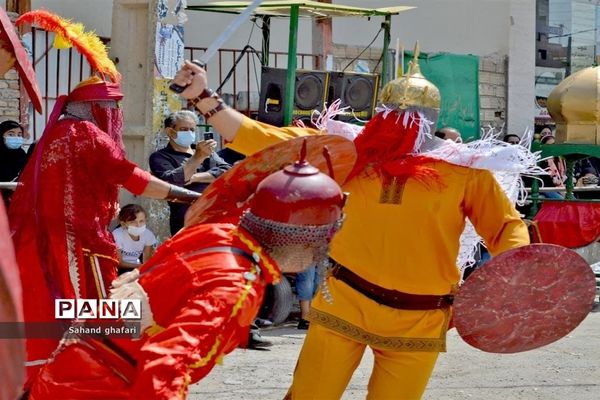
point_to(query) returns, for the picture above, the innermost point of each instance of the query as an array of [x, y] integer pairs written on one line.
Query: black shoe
[[263, 323], [303, 324], [256, 341]]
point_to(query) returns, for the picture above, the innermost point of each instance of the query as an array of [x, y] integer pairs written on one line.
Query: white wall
[[94, 14], [478, 27], [521, 66]]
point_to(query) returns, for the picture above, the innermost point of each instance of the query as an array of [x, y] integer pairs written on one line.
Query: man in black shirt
[[186, 162]]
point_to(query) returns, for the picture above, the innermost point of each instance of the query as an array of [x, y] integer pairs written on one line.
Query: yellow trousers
[[328, 360]]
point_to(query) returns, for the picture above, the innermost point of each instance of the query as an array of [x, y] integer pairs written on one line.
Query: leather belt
[[388, 297]]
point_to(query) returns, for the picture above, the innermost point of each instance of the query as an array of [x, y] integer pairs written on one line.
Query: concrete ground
[[568, 369]]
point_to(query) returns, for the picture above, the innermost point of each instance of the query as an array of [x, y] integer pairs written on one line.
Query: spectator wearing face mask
[[135, 243], [12, 155], [186, 162]]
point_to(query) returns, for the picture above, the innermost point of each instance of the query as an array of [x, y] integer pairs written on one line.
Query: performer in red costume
[[12, 349], [60, 214], [200, 292]]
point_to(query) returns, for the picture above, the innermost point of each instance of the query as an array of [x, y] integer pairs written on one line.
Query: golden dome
[[575, 107], [411, 89]]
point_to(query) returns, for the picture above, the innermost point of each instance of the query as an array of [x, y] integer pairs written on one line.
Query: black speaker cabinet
[[310, 93], [357, 91]]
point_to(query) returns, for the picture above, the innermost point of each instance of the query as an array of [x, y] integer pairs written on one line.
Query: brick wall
[[9, 96], [492, 90], [343, 54]]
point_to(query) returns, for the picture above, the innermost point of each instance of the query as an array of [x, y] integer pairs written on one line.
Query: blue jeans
[[485, 256], [306, 283], [552, 195]]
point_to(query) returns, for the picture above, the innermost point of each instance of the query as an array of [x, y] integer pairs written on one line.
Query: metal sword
[[218, 42]]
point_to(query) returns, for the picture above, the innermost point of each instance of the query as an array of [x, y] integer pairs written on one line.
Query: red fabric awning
[[571, 224]]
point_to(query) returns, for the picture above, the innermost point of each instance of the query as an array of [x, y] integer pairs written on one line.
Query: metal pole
[[291, 67], [535, 198], [266, 38], [386, 44]]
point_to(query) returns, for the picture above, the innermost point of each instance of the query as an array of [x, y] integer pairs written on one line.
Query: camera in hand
[[209, 136]]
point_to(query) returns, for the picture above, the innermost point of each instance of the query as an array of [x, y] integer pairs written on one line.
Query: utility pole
[[568, 67], [147, 60], [322, 39]]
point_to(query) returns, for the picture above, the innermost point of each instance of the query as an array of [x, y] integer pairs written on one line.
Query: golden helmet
[[411, 89]]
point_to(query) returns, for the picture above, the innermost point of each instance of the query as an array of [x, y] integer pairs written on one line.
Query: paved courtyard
[[568, 369]]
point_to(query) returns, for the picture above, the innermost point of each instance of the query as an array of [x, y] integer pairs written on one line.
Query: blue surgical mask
[[13, 142], [185, 138]]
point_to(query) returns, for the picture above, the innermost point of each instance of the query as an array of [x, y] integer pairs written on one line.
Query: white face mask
[[185, 138], [136, 230]]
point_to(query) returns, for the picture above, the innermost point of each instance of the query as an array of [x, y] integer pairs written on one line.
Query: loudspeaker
[[310, 93], [357, 91]]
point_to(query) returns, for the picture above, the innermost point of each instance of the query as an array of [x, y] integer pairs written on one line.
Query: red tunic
[[59, 219], [202, 302]]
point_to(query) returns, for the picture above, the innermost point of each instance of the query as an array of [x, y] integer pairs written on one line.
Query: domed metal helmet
[[298, 205], [392, 143], [299, 194], [413, 92]]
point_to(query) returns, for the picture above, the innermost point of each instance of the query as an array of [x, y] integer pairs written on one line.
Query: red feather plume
[[73, 34], [385, 145]]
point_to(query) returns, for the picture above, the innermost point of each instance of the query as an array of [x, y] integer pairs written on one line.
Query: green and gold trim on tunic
[[390, 343]]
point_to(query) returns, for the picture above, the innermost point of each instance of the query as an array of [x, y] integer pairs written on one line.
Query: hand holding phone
[[204, 148]]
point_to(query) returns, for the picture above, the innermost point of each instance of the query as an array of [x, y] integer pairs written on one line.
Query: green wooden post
[[387, 25], [291, 67], [535, 198]]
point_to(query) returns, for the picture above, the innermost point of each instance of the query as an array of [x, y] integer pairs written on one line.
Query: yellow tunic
[[411, 246]]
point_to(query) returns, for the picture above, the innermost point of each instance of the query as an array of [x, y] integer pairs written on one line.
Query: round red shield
[[524, 298], [23, 65], [225, 199]]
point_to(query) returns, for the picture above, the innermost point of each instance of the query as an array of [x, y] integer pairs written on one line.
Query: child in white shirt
[[135, 243]]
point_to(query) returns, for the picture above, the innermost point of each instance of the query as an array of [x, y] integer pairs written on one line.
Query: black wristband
[[178, 194]]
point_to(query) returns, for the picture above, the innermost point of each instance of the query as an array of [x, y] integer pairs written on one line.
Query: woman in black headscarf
[[12, 156]]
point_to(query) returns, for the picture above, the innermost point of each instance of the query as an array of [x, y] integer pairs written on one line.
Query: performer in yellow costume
[[395, 268]]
